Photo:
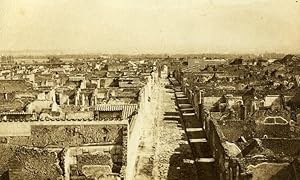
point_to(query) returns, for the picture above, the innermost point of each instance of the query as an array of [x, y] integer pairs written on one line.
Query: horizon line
[[28, 52]]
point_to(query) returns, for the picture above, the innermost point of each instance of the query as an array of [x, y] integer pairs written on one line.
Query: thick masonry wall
[[145, 110]]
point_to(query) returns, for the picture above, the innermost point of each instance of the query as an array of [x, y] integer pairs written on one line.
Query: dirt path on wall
[[163, 152]]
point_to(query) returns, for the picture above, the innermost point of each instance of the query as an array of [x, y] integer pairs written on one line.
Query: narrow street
[[202, 154], [164, 151], [173, 156]]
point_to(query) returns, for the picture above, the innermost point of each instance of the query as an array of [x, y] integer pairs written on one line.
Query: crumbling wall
[[70, 135], [266, 171], [125, 152], [282, 145], [273, 131], [27, 163], [6, 153], [233, 130]]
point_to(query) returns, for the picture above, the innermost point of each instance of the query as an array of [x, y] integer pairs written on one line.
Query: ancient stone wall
[[145, 110], [70, 135]]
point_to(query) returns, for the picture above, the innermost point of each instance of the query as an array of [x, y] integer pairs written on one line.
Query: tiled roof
[[127, 109], [15, 113]]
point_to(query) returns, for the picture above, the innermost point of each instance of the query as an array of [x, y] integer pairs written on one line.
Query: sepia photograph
[[149, 90]]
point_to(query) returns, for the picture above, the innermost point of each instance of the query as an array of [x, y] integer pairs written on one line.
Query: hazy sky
[[151, 26]]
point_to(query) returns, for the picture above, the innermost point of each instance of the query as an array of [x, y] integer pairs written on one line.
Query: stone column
[[95, 100], [201, 108], [82, 99]]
